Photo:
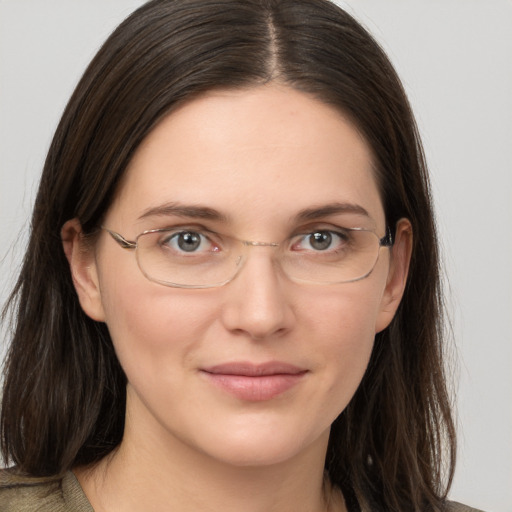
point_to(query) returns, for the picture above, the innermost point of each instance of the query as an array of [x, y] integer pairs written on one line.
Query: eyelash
[[173, 231]]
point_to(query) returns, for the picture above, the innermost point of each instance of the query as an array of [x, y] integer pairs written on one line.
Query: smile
[[254, 383]]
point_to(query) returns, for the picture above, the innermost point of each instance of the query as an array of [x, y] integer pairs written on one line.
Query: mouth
[[254, 382]]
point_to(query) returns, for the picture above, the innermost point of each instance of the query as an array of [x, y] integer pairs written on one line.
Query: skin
[[257, 156]]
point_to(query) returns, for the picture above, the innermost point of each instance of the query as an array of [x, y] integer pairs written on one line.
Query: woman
[[233, 224]]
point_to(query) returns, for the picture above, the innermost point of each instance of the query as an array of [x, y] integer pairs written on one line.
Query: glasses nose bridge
[[248, 244], [245, 255], [255, 243]]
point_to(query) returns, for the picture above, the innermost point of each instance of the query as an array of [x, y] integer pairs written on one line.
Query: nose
[[257, 302]]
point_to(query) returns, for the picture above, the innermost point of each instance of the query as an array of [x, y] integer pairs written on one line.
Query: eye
[[188, 241], [321, 240]]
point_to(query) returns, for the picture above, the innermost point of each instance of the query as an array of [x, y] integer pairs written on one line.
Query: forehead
[[256, 154]]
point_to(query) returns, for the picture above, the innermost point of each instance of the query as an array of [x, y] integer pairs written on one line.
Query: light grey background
[[455, 58]]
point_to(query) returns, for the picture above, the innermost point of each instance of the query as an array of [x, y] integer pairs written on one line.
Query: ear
[[82, 262], [397, 277]]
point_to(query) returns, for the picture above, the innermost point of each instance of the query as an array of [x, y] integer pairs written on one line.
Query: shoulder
[[47, 494], [453, 506], [23, 494]]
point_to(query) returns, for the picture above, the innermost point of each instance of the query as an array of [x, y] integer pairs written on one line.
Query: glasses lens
[[185, 258], [350, 255], [192, 259]]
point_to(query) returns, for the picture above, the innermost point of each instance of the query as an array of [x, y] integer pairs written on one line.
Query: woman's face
[[249, 164]]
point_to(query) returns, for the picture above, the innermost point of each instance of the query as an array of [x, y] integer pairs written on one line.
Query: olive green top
[[54, 494], [21, 494]]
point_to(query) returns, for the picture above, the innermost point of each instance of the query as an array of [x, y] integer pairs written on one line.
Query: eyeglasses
[[199, 258]]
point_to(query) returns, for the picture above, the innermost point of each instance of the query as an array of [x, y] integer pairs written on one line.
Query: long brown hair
[[64, 391]]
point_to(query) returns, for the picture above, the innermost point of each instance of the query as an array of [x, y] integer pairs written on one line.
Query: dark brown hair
[[64, 391]]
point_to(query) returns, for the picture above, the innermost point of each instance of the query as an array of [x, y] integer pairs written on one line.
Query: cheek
[[343, 325], [344, 317], [154, 329]]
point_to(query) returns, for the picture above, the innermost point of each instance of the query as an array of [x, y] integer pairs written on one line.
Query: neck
[[161, 473]]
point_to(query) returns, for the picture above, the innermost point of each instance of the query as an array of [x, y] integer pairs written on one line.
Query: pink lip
[[254, 382]]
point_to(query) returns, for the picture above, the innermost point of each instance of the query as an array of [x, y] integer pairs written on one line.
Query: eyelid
[[338, 231], [171, 231], [210, 237], [217, 237], [307, 230], [199, 228]]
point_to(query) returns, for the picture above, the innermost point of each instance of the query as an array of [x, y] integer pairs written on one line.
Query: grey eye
[[188, 241], [321, 240]]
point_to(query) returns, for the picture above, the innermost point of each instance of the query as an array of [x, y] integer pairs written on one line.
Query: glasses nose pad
[[241, 258], [239, 263]]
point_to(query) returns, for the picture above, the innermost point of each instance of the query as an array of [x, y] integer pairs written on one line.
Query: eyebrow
[[331, 209], [189, 211], [205, 212]]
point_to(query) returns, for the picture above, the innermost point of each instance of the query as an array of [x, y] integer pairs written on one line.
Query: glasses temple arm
[[387, 240], [120, 239]]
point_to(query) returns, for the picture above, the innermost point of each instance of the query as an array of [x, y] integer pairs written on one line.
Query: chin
[[255, 456], [262, 447]]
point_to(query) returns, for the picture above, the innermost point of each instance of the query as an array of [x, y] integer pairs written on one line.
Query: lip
[[254, 382]]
